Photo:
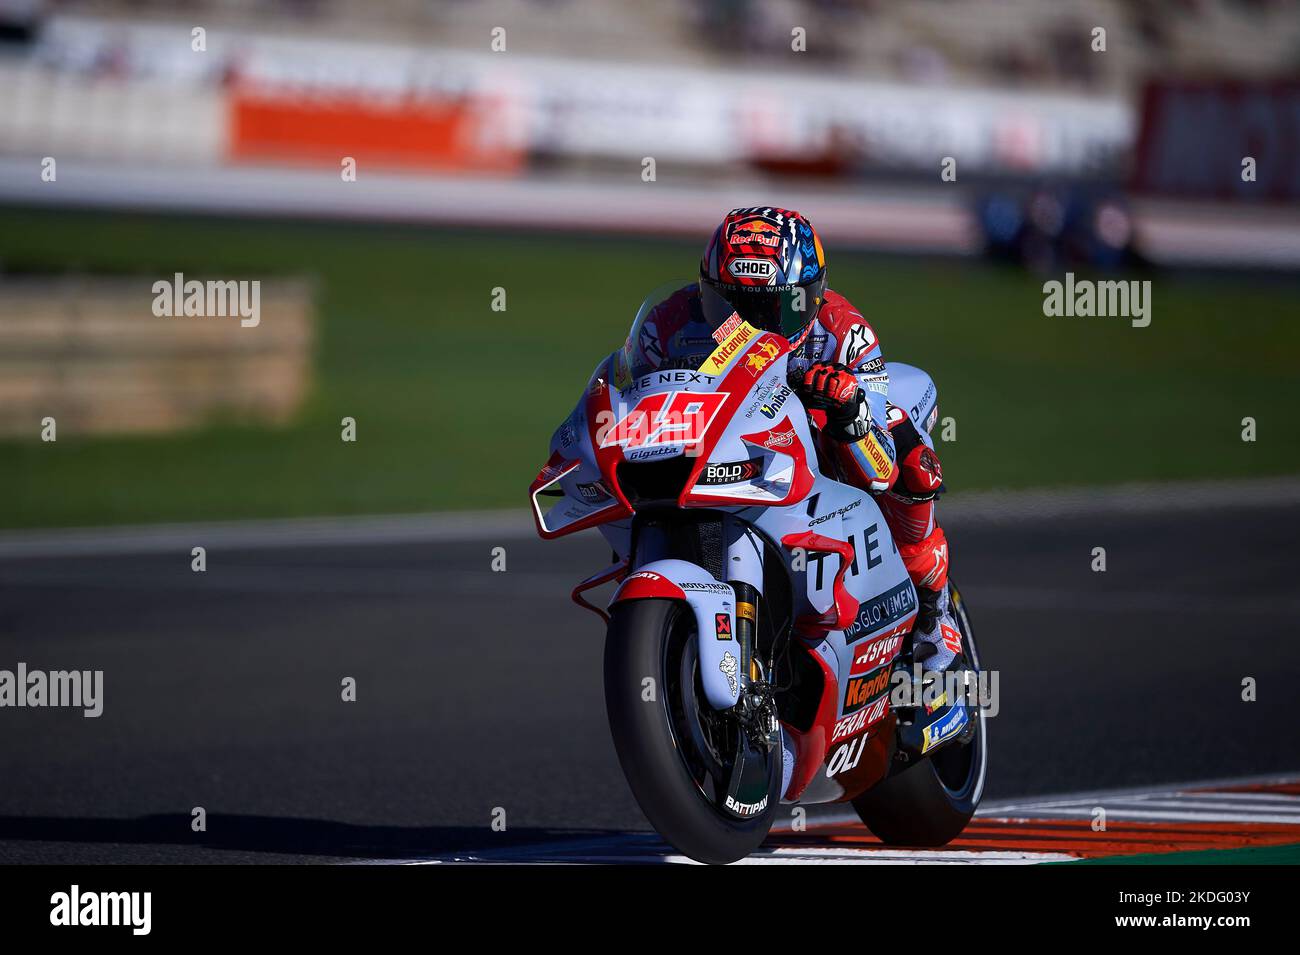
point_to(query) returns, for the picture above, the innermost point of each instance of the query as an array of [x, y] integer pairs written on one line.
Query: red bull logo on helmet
[[755, 232]]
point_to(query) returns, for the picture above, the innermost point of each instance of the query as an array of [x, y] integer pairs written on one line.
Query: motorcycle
[[762, 615]]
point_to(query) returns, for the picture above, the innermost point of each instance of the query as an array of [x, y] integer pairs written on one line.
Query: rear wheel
[[930, 803], [708, 784]]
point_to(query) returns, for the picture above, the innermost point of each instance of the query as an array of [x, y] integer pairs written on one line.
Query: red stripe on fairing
[[810, 747], [802, 482], [644, 585], [557, 467], [844, 606], [599, 409]]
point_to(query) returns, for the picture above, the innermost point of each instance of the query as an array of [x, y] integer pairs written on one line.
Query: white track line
[[1052, 806], [1131, 803], [471, 526], [294, 532]]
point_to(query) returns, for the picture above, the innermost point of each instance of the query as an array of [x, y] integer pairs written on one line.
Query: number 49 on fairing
[[674, 418]]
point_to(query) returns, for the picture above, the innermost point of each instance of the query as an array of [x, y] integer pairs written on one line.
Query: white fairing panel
[[913, 390]]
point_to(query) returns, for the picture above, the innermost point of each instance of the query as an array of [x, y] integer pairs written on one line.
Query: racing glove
[[831, 387]]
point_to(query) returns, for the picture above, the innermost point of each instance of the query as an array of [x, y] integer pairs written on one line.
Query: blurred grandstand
[[555, 127], [1027, 43], [213, 140]]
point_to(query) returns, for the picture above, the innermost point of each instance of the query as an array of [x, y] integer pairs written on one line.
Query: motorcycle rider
[[768, 265]]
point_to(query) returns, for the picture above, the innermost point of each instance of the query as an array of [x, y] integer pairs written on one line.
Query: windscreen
[[674, 328]]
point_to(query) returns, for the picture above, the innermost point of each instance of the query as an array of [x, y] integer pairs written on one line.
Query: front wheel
[[930, 803], [707, 784]]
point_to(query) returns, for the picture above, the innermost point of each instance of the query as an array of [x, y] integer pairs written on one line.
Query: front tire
[[931, 802], [673, 747]]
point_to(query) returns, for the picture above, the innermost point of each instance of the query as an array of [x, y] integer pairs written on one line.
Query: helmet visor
[[786, 312]]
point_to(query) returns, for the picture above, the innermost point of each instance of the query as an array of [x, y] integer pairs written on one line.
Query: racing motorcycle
[[761, 621]]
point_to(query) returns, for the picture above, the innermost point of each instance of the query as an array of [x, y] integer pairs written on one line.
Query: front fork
[[743, 570], [755, 707]]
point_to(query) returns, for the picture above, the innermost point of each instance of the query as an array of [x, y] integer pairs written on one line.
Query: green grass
[[1247, 855], [455, 402]]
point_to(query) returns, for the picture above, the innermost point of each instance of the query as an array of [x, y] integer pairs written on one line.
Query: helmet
[[767, 265]]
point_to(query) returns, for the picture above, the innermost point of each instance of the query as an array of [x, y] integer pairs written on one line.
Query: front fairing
[[707, 405], [728, 432]]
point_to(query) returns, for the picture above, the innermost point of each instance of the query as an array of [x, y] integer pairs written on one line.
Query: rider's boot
[[940, 714]]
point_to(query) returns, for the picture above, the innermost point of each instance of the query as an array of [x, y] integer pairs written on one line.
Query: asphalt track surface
[[478, 690]]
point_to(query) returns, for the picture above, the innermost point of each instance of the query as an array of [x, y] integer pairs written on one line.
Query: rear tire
[[931, 802], [658, 752]]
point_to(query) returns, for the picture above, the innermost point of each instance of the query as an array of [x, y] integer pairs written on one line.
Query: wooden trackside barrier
[[91, 353]]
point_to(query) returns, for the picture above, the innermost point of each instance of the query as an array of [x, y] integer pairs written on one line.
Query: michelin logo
[[932, 736]]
